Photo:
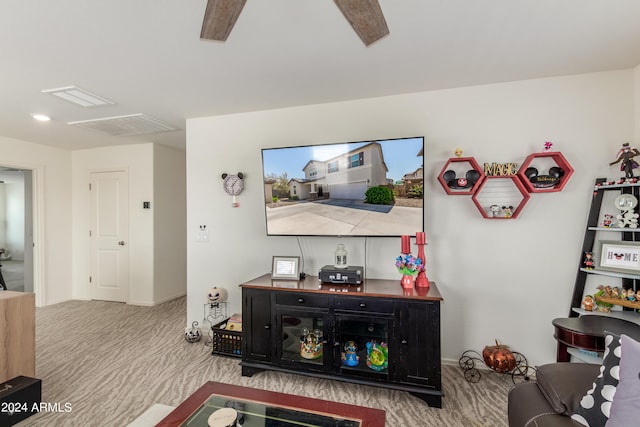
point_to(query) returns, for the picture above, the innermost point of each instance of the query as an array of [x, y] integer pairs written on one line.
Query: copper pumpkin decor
[[499, 358]]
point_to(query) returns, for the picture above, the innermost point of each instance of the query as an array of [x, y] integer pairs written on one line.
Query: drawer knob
[[267, 326], [362, 305], [300, 300], [404, 342]]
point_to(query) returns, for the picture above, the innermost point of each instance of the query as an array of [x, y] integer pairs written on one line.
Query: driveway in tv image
[[343, 217]]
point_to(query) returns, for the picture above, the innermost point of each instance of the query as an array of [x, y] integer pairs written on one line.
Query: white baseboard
[[152, 303]]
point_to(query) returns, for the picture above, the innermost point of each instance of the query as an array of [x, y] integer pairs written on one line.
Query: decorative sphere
[[192, 334], [217, 294]]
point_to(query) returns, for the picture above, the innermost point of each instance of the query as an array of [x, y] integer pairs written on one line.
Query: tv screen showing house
[[366, 188]]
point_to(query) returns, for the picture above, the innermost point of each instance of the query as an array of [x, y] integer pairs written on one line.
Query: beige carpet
[[111, 362]]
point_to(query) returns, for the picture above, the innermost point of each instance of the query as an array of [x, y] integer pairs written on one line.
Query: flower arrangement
[[409, 265]]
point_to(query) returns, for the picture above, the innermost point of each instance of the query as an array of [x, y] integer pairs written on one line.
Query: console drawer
[[302, 300], [363, 304]]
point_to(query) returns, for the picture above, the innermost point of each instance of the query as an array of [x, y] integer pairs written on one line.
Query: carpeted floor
[[111, 362]]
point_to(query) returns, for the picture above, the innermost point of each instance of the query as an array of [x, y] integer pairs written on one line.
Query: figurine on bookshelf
[[587, 303], [625, 157], [607, 221], [588, 261], [631, 296], [508, 211], [604, 290], [627, 219]]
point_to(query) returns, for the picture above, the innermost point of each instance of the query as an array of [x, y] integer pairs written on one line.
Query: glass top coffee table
[[262, 408]]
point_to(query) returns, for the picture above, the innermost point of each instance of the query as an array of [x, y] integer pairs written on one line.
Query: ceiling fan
[[365, 16]]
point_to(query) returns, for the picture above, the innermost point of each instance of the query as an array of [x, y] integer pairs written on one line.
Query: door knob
[[121, 242]]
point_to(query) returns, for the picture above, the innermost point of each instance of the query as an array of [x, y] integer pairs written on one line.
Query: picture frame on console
[[619, 256], [285, 267]]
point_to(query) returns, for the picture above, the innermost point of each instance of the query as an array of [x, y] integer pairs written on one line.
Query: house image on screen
[[347, 176]]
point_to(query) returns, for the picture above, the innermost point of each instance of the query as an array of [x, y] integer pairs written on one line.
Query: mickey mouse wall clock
[[233, 185]]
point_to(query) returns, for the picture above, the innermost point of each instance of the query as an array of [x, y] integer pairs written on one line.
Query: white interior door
[[109, 275]]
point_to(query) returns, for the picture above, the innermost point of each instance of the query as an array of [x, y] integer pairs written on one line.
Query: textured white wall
[[168, 208], [156, 174], [499, 279], [138, 161]]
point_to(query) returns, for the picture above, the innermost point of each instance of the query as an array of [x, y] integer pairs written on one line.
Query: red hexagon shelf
[[543, 174], [457, 174], [501, 197]]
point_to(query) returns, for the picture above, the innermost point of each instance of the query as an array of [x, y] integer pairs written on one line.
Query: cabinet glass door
[[303, 339], [363, 346]]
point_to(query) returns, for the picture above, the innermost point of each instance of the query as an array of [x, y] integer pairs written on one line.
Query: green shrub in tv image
[[382, 195], [379, 195]]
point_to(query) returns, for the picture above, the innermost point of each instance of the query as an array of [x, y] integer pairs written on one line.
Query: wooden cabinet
[[256, 325], [277, 316], [17, 335]]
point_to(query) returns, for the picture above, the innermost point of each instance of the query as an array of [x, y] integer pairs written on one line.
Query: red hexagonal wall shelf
[[540, 179], [501, 197], [457, 169]]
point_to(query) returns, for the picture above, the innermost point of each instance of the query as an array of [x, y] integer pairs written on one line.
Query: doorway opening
[[17, 228]]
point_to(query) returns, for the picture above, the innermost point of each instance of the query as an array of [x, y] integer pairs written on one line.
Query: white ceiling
[[146, 55]]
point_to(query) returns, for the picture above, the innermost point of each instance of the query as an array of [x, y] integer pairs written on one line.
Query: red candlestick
[[406, 244], [421, 281]]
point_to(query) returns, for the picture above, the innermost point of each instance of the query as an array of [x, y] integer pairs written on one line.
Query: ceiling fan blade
[[366, 18], [219, 18]]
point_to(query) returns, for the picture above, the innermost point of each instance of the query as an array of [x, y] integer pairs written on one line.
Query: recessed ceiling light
[[41, 117], [79, 96]]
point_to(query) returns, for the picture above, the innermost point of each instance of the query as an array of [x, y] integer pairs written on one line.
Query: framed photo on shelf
[[286, 267], [619, 256]]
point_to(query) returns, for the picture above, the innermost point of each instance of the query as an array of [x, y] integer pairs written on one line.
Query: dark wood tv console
[[277, 315]]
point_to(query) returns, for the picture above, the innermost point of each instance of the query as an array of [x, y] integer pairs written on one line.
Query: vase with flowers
[[409, 266]]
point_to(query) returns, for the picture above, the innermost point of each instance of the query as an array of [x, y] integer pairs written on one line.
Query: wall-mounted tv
[[367, 188]]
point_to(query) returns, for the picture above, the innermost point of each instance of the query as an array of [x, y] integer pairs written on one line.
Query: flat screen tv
[[366, 188]]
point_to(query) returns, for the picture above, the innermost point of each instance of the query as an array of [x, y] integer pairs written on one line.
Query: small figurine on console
[[311, 344], [625, 158], [588, 261], [349, 355], [587, 303]]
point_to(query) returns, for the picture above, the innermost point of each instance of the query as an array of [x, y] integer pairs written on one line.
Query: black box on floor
[[20, 398]]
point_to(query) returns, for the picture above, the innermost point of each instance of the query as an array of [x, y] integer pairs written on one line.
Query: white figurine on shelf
[[627, 219]]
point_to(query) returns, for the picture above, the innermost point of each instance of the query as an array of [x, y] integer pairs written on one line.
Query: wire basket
[[225, 342]]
